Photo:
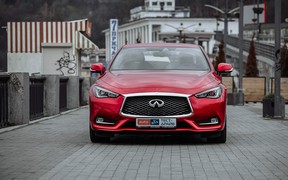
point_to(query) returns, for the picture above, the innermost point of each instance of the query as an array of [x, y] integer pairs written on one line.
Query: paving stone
[[59, 148]]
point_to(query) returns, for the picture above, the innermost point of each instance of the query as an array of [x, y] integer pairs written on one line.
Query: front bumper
[[203, 109]]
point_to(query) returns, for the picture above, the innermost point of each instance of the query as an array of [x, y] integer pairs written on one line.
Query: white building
[[161, 21], [48, 47], [156, 8]]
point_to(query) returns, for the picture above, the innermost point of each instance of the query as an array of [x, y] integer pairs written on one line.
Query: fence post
[[51, 95], [73, 92], [85, 91], [18, 98]]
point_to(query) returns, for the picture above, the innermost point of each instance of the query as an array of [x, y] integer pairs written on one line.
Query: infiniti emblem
[[156, 103]]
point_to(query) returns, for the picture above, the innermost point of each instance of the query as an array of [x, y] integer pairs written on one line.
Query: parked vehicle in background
[[159, 88]]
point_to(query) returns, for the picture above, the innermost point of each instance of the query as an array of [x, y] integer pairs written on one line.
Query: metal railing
[[80, 92], [4, 101], [63, 94], [39, 101], [36, 97], [265, 50]]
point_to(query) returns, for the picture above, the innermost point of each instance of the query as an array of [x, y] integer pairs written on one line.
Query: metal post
[[258, 24], [277, 100], [258, 13], [180, 36], [241, 96], [225, 32], [226, 27]]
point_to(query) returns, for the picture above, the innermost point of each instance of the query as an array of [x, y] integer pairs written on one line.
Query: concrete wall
[[18, 99], [85, 88], [59, 60], [51, 95], [73, 92], [19, 95], [16, 62], [55, 59]]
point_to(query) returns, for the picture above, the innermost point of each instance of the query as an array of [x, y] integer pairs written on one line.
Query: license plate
[[156, 122]]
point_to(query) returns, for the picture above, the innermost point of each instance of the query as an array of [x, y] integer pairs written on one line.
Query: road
[[60, 148]]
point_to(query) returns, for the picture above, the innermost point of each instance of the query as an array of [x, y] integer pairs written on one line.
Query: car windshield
[[160, 58]]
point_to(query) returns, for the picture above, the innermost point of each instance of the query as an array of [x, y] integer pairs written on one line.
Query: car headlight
[[211, 93], [104, 93]]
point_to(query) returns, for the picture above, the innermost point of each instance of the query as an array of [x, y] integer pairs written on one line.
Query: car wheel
[[95, 138], [221, 138]]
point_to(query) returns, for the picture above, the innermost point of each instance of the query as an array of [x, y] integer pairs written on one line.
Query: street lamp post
[[258, 10], [180, 30], [226, 14]]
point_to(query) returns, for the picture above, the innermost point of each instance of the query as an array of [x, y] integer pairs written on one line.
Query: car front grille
[[173, 106]]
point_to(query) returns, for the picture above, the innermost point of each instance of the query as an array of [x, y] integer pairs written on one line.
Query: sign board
[[113, 36]]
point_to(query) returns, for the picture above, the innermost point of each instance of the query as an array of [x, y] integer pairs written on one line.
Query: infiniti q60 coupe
[[161, 88]]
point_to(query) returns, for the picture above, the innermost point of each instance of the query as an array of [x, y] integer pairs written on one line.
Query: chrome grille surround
[[155, 111]]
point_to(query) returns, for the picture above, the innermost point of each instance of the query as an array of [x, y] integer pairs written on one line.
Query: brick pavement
[[59, 148]]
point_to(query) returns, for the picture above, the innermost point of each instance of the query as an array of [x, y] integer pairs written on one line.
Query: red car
[[159, 88]]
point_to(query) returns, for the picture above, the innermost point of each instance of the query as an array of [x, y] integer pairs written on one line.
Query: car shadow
[[157, 140]]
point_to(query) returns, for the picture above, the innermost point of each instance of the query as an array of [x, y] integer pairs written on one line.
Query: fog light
[[212, 121], [100, 120]]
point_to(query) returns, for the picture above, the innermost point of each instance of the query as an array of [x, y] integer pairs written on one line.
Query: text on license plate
[[156, 122]]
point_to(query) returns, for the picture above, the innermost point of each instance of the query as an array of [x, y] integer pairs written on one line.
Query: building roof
[[28, 37]]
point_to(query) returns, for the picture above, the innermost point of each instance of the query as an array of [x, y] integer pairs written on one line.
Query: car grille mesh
[[139, 106]]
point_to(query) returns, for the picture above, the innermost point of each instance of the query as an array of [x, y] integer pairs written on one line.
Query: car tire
[[222, 138], [95, 138]]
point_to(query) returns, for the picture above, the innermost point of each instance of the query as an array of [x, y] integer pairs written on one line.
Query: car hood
[[185, 82]]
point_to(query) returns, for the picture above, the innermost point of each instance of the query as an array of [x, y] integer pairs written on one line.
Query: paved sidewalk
[[59, 148], [257, 108]]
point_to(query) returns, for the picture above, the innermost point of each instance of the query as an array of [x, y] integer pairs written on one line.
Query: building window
[[169, 3], [154, 3]]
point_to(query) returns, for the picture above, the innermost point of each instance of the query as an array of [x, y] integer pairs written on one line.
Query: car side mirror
[[224, 68], [97, 68]]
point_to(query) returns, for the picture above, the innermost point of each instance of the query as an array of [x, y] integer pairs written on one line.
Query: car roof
[[161, 45]]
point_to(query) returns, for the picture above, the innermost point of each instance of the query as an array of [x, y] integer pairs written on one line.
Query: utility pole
[[277, 98], [240, 45], [226, 27]]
